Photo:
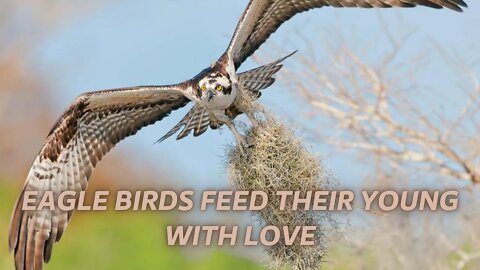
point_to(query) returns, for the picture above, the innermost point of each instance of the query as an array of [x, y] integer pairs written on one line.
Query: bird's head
[[212, 85]]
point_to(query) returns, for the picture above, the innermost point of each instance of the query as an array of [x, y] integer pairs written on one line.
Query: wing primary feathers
[[202, 123], [260, 78], [15, 225], [30, 249], [197, 119], [262, 18], [179, 125], [190, 124], [20, 250], [86, 131]]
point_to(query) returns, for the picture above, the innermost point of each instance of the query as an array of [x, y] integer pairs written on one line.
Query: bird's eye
[[219, 88], [203, 88]]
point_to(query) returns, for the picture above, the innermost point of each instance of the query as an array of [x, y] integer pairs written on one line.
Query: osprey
[[96, 121]]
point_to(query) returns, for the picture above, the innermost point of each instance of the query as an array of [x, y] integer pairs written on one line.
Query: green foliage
[[115, 240]]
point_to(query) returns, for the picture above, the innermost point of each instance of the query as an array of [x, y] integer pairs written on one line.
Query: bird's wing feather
[[254, 80], [262, 18], [260, 78], [197, 119], [86, 131]]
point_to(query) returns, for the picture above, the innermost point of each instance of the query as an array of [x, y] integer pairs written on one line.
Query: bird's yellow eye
[[219, 88], [203, 88]]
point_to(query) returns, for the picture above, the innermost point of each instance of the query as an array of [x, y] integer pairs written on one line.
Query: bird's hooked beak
[[210, 95]]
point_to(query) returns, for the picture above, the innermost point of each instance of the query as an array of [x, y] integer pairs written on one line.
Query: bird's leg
[[241, 141], [252, 119], [222, 117], [256, 124], [248, 111]]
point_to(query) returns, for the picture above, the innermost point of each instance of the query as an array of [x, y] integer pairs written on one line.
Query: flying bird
[[97, 121]]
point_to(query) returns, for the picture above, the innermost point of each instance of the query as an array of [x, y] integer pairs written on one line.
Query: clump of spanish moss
[[277, 161]]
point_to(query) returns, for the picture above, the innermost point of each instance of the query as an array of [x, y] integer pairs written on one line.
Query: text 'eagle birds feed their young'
[[96, 121]]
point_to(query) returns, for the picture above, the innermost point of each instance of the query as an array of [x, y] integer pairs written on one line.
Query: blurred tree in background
[[372, 103]]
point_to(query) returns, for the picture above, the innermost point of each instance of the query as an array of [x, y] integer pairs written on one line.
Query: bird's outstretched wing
[[85, 132], [263, 17], [198, 118]]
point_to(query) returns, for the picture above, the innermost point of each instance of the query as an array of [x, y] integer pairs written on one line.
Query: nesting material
[[277, 161]]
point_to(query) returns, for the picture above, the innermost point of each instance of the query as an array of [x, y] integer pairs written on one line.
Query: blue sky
[[128, 43]]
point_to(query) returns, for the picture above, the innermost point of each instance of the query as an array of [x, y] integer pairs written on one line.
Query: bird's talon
[[244, 143], [242, 151], [258, 129]]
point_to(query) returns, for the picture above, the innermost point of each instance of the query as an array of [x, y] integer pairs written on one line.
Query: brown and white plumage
[[198, 118], [262, 77], [97, 121], [87, 130], [263, 17]]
